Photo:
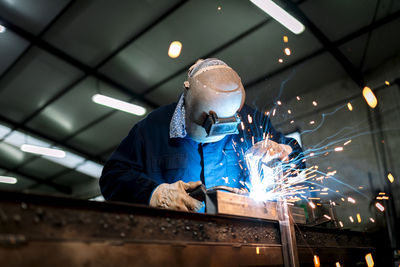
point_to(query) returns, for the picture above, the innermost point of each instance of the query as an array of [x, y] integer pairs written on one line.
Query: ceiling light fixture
[[8, 180], [174, 49], [118, 104], [45, 151], [280, 15], [2, 28]]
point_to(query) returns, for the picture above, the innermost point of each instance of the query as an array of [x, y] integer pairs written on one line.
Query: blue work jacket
[[148, 157]]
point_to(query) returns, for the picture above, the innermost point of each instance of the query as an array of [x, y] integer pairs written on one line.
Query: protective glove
[[174, 196], [268, 150]]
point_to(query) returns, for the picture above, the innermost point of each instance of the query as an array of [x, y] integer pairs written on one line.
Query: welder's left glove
[[268, 150]]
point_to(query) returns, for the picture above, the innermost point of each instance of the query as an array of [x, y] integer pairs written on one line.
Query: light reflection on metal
[[287, 51], [387, 83], [289, 111], [279, 102], [341, 224], [358, 217], [328, 217], [298, 98], [337, 264], [257, 250], [351, 219], [369, 260], [280, 60], [312, 205], [339, 148], [370, 97], [174, 49], [315, 103], [372, 220], [219, 8], [2, 28], [312, 122]]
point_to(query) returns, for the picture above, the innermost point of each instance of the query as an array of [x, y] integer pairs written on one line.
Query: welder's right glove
[[174, 196]]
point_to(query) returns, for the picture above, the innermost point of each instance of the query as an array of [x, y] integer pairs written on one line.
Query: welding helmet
[[213, 96]]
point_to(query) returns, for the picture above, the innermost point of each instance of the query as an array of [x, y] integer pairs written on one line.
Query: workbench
[[38, 230]]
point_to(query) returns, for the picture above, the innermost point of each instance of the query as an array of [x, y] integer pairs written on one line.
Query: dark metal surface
[[47, 231]]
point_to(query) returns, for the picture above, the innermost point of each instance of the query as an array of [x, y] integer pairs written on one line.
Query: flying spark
[[349, 106], [379, 206], [390, 177], [351, 200]]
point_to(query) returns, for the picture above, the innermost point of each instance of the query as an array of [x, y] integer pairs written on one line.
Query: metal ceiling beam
[[61, 188], [350, 69], [74, 62], [51, 23]]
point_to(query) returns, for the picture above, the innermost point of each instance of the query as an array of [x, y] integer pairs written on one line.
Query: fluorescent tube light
[[280, 15], [70, 160], [118, 104], [51, 152], [8, 180]]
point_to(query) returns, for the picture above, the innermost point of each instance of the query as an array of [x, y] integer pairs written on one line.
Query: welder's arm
[[123, 178], [296, 154]]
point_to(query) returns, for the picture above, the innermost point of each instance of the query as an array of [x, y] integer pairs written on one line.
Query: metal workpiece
[[40, 230], [288, 237], [75, 219]]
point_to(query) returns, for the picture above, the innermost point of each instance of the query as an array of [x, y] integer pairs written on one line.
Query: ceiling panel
[[32, 16], [257, 54], [339, 18], [378, 50], [145, 62], [22, 182], [305, 77], [12, 156], [11, 46], [91, 30], [75, 109], [106, 134], [384, 44], [42, 168], [33, 81], [73, 178], [45, 190], [168, 92], [354, 50]]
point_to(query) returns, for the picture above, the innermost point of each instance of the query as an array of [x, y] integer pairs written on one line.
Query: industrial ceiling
[[56, 54]]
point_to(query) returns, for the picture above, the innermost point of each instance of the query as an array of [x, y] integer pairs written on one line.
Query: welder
[[200, 139]]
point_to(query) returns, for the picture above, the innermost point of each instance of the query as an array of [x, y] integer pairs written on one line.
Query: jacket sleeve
[[123, 177]]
